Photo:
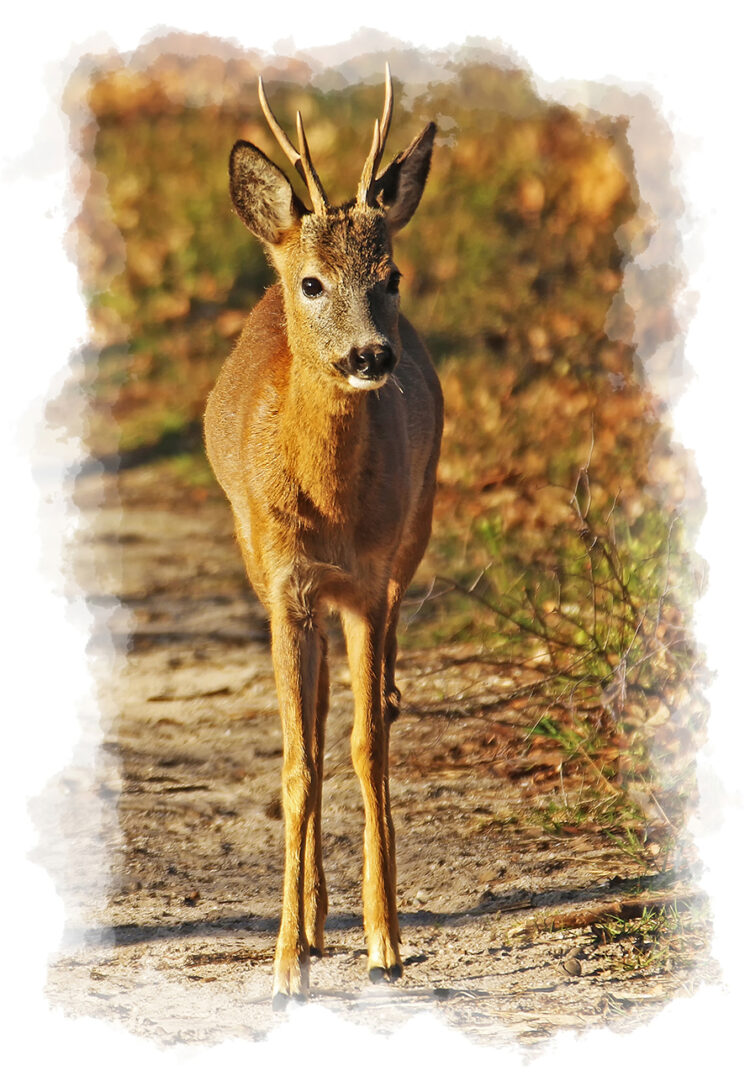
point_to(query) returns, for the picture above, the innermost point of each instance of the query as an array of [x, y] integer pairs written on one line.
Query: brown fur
[[331, 486]]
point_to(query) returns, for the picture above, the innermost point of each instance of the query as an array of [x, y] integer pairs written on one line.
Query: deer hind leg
[[365, 638], [391, 709], [297, 651], [316, 895], [391, 694], [406, 564], [408, 560]]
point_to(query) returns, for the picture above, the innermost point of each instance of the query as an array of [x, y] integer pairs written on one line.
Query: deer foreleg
[[316, 896], [365, 643], [296, 647]]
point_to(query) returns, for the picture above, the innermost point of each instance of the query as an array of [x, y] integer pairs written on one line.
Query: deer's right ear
[[261, 194]]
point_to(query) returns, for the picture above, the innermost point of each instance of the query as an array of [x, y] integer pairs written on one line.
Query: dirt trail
[[169, 849]]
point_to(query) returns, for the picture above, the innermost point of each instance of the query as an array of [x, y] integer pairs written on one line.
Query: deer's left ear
[[400, 187]]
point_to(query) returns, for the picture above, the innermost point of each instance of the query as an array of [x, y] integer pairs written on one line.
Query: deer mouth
[[358, 382]]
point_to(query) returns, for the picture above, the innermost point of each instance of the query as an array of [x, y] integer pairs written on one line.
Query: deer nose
[[371, 363]]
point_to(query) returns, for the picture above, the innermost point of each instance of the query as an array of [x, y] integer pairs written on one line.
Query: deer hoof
[[279, 1001], [379, 975], [291, 981]]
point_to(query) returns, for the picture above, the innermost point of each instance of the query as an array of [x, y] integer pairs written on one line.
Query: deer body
[[328, 459]]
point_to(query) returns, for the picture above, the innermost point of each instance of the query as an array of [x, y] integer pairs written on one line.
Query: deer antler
[[301, 160], [380, 133]]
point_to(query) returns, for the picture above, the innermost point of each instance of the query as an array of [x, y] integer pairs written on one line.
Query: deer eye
[[393, 282], [311, 286]]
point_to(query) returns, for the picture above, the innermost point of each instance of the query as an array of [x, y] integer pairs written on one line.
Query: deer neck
[[325, 434]]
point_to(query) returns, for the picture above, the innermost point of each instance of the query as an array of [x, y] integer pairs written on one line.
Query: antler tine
[[368, 172], [314, 186], [385, 122], [301, 161], [277, 130], [375, 155]]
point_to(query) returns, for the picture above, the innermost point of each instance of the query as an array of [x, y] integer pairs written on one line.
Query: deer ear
[[400, 187], [261, 194]]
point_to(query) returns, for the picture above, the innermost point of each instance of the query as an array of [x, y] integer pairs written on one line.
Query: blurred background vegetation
[[559, 541]]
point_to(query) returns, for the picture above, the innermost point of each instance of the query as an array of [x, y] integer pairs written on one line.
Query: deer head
[[335, 262]]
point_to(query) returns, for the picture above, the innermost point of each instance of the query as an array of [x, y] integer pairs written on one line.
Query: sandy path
[[168, 847]]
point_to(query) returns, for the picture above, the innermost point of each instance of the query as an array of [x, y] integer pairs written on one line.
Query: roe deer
[[328, 459]]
